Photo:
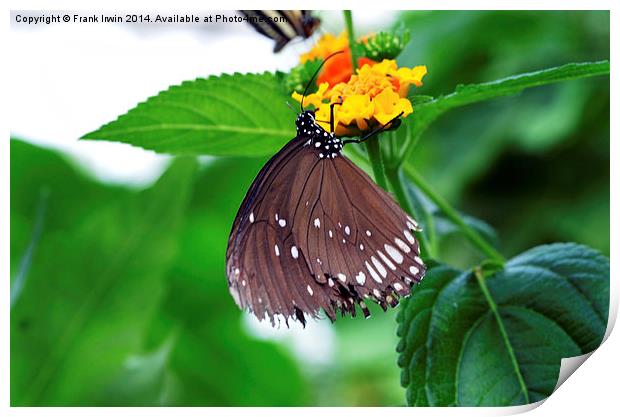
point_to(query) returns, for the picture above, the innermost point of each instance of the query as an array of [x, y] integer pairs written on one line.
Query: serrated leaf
[[429, 111], [239, 114], [499, 340]]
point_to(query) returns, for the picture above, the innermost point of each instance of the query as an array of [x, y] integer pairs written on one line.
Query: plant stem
[[473, 236], [396, 183], [376, 161], [348, 20], [373, 147]]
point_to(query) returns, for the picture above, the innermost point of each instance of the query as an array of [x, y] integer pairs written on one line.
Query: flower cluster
[[373, 95]]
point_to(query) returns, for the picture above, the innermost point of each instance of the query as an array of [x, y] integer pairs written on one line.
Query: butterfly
[[315, 232], [282, 25]]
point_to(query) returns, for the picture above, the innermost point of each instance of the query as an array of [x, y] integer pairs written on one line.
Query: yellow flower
[[408, 76], [327, 45], [389, 104], [372, 97], [356, 108], [315, 99]]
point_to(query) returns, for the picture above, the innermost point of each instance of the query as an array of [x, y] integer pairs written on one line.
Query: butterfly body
[[314, 232]]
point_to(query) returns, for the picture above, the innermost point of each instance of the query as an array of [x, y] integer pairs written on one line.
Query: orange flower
[[339, 68]]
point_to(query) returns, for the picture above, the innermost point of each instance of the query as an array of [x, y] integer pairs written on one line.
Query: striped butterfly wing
[[282, 25], [315, 232]]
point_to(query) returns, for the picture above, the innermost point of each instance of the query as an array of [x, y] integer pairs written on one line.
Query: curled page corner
[[520, 409], [569, 365]]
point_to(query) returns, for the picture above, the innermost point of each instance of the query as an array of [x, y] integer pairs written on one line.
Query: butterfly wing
[[317, 233], [281, 25], [358, 240], [266, 267]]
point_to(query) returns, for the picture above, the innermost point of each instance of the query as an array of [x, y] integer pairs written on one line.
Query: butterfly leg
[[378, 130], [331, 114]]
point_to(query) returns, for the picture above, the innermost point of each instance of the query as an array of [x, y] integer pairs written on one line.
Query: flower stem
[[373, 148], [348, 21], [473, 236]]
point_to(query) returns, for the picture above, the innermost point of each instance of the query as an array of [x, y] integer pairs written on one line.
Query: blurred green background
[[118, 296]]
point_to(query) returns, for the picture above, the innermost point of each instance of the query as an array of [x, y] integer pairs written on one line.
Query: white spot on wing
[[398, 287], [386, 260], [361, 246], [317, 222], [379, 266], [418, 260], [282, 222], [347, 230], [394, 253], [342, 277], [252, 217], [361, 278], [294, 252], [402, 245], [277, 249], [409, 237], [310, 290], [414, 270], [331, 234], [373, 273], [368, 233]]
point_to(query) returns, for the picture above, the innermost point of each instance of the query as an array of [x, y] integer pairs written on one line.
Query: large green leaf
[[498, 340], [428, 112], [93, 280], [239, 114]]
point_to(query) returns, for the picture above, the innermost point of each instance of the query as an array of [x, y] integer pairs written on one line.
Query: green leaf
[[498, 340], [239, 114], [195, 351], [426, 113], [93, 280]]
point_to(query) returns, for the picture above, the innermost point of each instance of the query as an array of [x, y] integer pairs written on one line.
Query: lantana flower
[[372, 96]]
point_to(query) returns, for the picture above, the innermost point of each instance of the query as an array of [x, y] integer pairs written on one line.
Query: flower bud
[[384, 45]]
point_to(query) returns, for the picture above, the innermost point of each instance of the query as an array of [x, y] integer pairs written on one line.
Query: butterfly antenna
[[291, 107], [314, 76]]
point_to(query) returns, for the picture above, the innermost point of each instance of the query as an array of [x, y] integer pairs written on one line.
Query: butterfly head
[[326, 144], [306, 124]]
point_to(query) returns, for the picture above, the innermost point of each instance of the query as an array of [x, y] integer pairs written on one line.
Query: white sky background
[[69, 79]]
